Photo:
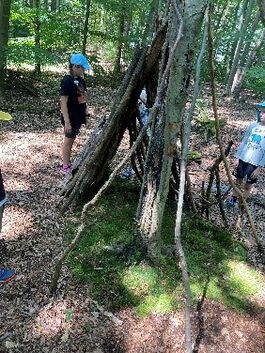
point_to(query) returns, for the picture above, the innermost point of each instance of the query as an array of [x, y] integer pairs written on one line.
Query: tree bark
[[167, 124]]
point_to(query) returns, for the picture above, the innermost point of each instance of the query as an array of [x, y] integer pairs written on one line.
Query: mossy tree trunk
[[167, 125]]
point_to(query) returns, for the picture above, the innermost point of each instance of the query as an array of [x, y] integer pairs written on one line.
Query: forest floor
[[33, 236]]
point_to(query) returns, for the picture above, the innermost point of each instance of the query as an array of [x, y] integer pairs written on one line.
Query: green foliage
[[216, 263], [61, 31], [69, 315], [194, 156], [255, 79], [23, 51]]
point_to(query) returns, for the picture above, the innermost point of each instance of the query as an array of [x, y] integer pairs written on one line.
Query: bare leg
[[247, 190], [239, 184], [67, 149]]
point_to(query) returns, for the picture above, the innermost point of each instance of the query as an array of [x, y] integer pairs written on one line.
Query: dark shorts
[[245, 169], [74, 132]]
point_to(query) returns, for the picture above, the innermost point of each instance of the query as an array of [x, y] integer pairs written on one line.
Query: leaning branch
[[183, 164]]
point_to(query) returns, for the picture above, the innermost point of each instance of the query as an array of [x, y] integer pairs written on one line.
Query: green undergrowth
[[217, 264]]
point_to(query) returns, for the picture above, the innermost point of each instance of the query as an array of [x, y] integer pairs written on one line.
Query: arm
[[64, 111], [256, 172]]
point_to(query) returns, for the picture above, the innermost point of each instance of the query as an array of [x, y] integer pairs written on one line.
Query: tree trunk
[[117, 65], [241, 72], [85, 31], [36, 5], [4, 26], [236, 57], [166, 126], [261, 4]]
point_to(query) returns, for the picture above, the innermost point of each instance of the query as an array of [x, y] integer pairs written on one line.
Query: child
[[6, 274], [73, 105], [251, 155]]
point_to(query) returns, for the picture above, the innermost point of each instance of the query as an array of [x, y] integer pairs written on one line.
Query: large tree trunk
[[166, 126], [4, 26], [92, 164]]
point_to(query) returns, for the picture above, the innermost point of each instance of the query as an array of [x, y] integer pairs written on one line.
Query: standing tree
[[4, 26], [167, 123], [85, 30]]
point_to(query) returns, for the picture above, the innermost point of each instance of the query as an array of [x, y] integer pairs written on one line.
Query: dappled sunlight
[[244, 279]]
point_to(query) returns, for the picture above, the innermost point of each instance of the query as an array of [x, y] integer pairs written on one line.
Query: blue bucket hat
[[80, 59], [259, 106]]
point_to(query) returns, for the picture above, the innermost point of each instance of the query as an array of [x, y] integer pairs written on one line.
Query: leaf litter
[[33, 236]]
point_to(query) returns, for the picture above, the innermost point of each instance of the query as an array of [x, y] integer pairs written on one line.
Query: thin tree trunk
[[4, 26], [261, 4], [37, 23], [241, 71], [183, 166], [117, 66], [85, 31], [236, 56]]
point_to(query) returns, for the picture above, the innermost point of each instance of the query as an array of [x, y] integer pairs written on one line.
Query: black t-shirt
[[2, 189], [74, 88]]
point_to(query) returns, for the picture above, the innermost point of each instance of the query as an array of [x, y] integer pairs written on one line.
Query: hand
[[67, 128], [255, 173]]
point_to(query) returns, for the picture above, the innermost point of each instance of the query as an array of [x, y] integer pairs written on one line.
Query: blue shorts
[[245, 169]]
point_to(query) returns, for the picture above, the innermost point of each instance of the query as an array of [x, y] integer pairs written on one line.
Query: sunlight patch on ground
[[245, 279]]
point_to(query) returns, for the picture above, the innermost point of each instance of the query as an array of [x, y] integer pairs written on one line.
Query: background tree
[[4, 26]]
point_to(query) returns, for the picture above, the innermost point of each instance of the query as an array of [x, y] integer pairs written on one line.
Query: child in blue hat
[[73, 105], [251, 155]]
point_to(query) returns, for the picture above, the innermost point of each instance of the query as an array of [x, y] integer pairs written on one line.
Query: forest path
[[32, 237]]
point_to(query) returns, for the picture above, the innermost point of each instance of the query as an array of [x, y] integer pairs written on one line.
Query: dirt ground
[[33, 236]]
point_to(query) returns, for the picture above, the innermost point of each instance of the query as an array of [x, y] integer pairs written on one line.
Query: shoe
[[127, 173], [230, 203], [65, 169], [6, 274]]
